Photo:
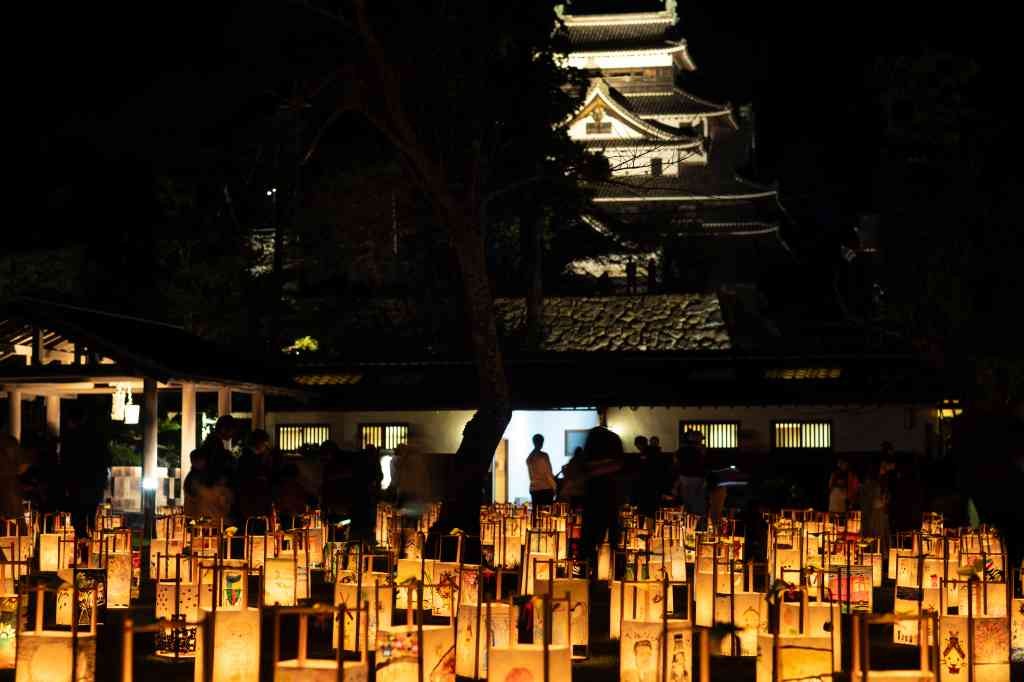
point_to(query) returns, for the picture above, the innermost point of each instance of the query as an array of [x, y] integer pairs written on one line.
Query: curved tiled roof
[[675, 102], [602, 37], [697, 185]]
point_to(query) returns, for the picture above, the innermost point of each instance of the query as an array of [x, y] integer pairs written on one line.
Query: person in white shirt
[[542, 479]]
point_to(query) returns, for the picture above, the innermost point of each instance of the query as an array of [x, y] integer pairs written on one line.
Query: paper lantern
[[751, 617], [233, 584], [119, 580], [378, 596], [990, 651], [525, 663], [179, 640], [1017, 627], [163, 562], [800, 657], [422, 570], [577, 622], [279, 582], [639, 601], [8, 630], [46, 656], [447, 581], [86, 604], [468, 663], [236, 646], [641, 652], [398, 649], [604, 561], [537, 568], [257, 548], [54, 553]]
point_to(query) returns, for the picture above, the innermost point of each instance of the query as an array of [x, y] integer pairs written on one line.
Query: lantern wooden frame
[[302, 667], [860, 667]]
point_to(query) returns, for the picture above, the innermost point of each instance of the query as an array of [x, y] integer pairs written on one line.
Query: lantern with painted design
[[177, 602], [236, 646], [798, 657], [361, 624], [8, 630], [401, 651], [493, 621], [574, 629], [643, 646], [55, 655]]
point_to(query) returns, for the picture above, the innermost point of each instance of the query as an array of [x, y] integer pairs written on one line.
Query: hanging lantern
[[180, 640], [471, 617], [117, 402], [378, 596], [236, 646], [641, 651], [399, 648], [800, 657]]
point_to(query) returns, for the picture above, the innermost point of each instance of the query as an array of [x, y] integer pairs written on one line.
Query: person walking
[[843, 488], [875, 497], [542, 479]]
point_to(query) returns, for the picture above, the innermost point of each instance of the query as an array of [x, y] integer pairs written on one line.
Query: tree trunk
[[483, 432], [531, 226]]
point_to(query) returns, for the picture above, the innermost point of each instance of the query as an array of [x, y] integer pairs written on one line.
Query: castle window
[[717, 435], [383, 436], [804, 435], [293, 437]]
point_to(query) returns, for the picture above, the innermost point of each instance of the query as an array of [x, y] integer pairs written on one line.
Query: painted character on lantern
[[953, 656], [643, 660], [519, 675]]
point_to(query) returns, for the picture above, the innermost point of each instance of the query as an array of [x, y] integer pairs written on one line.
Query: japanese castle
[[675, 194]]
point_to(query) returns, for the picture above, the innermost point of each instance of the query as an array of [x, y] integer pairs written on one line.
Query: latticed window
[[808, 435], [293, 437], [717, 435], [384, 436]]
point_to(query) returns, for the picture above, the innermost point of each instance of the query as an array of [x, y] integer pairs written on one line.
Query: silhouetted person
[[603, 495], [843, 488], [10, 488], [690, 487], [255, 489], [573, 479], [652, 276], [220, 461], [85, 463], [542, 479], [366, 480], [631, 276], [207, 491]]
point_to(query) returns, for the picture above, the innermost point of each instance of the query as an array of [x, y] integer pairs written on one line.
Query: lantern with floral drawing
[[642, 650], [55, 655], [399, 649], [472, 649], [236, 646], [377, 595]]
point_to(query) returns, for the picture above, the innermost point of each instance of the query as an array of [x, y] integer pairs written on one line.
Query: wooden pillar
[[53, 415], [150, 424], [14, 412], [223, 401], [259, 410], [188, 430], [37, 347]]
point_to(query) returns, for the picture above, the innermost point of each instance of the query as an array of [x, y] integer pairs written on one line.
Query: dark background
[[115, 93]]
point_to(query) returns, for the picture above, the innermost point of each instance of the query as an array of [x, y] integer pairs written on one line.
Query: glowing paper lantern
[[236, 646], [54, 553], [398, 649], [233, 585], [641, 652], [639, 601], [45, 656], [163, 562], [990, 650], [446, 591], [800, 657], [577, 622], [179, 640], [378, 597], [525, 663], [1017, 627], [279, 582], [257, 548], [419, 570], [466, 662], [604, 561], [119, 580], [751, 617], [8, 630]]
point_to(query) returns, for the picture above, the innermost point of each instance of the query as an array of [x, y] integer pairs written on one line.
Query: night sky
[[114, 94]]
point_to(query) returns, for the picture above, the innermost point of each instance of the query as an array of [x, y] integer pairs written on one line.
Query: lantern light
[[132, 412], [236, 646]]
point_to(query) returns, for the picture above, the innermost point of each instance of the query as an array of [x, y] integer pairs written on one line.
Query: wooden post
[[188, 431], [705, 656], [150, 424], [14, 412], [259, 410], [223, 401], [126, 649], [37, 347], [53, 415]]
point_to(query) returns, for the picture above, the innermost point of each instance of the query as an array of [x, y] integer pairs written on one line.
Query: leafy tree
[[470, 97]]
